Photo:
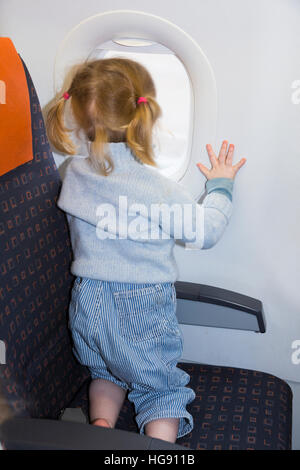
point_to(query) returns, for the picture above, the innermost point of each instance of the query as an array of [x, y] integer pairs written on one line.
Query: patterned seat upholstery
[[40, 375], [234, 408]]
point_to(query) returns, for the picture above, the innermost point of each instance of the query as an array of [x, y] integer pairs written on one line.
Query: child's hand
[[222, 166]]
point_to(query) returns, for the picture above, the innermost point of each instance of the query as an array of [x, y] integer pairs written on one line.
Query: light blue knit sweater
[[132, 259]]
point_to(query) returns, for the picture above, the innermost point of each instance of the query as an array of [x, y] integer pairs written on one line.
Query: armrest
[[47, 434], [238, 308]]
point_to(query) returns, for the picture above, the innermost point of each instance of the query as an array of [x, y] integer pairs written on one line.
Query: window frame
[[84, 38]]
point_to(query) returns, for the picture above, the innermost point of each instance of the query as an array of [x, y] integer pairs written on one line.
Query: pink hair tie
[[142, 99], [66, 96]]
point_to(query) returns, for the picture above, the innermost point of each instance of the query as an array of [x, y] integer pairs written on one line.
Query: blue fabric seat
[[233, 409], [40, 375]]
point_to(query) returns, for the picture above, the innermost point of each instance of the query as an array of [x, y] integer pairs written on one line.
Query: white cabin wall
[[258, 255]]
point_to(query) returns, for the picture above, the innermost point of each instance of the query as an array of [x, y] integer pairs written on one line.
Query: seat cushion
[[234, 409]]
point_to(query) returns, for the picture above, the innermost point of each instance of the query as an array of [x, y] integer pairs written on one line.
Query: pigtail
[[98, 157], [139, 130], [57, 132]]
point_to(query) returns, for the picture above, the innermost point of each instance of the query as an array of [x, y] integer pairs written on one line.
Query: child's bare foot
[[101, 422]]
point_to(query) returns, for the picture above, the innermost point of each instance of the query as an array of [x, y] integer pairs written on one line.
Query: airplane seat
[[40, 375], [234, 408]]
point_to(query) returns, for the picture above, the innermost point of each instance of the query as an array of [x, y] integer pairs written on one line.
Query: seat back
[[40, 375]]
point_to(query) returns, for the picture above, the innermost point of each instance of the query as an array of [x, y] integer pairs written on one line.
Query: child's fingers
[[211, 155], [222, 154], [230, 155], [239, 164], [203, 169]]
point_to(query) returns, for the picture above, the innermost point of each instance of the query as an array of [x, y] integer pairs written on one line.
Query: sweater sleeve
[[202, 225], [220, 185]]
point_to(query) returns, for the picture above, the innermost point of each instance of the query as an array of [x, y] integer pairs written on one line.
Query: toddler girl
[[123, 307]]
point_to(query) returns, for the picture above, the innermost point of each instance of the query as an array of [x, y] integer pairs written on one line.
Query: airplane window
[[171, 136]]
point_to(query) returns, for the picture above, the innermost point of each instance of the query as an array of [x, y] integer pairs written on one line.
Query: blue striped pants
[[128, 333]]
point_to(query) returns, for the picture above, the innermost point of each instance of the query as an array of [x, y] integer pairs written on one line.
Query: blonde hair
[[104, 96]]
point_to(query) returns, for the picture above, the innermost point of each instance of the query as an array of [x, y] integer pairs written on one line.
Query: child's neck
[[116, 136]]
